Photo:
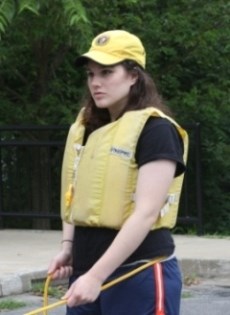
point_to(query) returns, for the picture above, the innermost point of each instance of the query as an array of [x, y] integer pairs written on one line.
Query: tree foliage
[[36, 64], [187, 44]]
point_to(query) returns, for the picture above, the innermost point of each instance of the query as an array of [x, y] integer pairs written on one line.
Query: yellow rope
[[46, 307], [45, 295], [130, 274]]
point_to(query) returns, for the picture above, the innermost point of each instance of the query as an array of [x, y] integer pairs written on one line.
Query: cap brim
[[99, 57]]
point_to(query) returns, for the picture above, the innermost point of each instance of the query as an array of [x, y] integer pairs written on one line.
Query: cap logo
[[102, 40]]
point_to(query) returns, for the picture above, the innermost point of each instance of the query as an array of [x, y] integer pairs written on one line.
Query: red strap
[[159, 284]]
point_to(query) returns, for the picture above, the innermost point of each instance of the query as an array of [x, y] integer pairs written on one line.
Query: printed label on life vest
[[126, 154]]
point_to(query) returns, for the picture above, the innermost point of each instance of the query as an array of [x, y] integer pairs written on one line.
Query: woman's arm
[[61, 265], [154, 180], [67, 232]]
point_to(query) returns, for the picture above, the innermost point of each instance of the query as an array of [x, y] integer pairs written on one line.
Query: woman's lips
[[98, 94]]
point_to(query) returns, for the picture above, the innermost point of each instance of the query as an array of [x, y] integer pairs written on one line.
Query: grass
[[53, 291], [10, 304], [56, 291], [186, 295], [191, 280]]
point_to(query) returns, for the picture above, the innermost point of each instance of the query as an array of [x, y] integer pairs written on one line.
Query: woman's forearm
[[67, 235], [67, 231]]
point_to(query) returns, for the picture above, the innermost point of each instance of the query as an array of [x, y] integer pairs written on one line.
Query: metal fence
[[30, 169]]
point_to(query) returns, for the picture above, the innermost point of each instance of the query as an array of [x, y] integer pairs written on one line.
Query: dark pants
[[153, 291]]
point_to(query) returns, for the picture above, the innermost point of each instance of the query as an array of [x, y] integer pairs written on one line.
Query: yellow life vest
[[99, 179]]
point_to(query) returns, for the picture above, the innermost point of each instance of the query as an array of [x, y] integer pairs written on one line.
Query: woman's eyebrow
[[102, 67]]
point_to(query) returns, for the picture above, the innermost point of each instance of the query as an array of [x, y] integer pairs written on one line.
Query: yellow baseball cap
[[114, 46]]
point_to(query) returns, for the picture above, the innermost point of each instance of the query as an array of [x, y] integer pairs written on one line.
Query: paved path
[[205, 298]]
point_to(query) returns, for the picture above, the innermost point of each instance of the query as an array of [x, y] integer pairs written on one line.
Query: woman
[[121, 182]]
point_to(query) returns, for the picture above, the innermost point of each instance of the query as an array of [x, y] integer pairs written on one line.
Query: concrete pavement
[[25, 255], [205, 298]]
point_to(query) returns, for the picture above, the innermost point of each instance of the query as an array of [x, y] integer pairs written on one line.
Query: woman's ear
[[134, 75]]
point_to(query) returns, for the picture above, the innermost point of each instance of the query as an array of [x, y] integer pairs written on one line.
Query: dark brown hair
[[142, 94]]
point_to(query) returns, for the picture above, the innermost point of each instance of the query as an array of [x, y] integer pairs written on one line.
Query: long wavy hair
[[142, 94]]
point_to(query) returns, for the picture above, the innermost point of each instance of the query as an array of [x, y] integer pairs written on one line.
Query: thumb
[[52, 267], [68, 293]]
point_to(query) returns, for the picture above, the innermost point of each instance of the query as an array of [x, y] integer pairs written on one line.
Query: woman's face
[[109, 86]]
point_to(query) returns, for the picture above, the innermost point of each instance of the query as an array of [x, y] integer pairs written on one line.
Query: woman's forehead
[[94, 65]]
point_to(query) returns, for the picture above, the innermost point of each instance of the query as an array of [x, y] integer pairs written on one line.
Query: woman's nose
[[95, 81]]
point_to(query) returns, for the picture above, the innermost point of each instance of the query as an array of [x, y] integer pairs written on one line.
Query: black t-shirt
[[159, 139]]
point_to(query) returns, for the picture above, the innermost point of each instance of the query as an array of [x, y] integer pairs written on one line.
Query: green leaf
[[74, 11], [30, 5], [7, 10]]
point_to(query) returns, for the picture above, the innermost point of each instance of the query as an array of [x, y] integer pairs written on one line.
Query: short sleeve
[[160, 139]]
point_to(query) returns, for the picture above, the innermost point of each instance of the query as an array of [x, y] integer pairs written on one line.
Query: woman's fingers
[[60, 266], [62, 272], [84, 290]]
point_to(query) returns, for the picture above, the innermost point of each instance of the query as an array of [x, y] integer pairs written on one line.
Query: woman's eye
[[89, 74], [106, 72]]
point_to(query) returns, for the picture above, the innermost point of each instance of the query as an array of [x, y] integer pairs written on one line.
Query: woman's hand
[[84, 290], [61, 265]]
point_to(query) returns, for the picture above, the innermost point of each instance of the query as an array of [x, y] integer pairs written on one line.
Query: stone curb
[[196, 268], [205, 269], [20, 283]]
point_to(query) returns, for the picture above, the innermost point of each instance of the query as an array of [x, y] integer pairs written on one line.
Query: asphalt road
[[199, 299]]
